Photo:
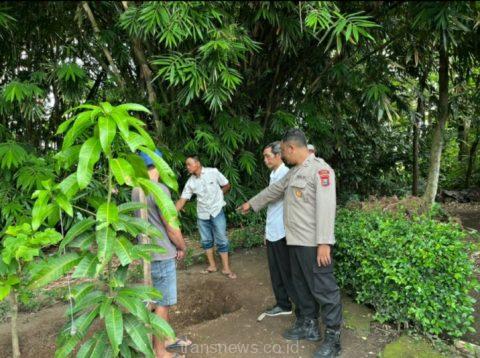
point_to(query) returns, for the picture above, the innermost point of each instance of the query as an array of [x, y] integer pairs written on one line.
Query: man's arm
[[226, 188], [325, 207], [175, 235], [184, 197], [180, 203], [268, 195]]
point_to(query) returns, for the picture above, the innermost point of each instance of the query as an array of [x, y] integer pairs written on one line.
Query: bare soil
[[219, 315]]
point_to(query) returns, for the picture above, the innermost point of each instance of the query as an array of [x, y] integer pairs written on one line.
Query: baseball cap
[[146, 158]]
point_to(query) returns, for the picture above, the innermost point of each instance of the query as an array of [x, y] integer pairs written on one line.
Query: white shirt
[[274, 229], [209, 193]]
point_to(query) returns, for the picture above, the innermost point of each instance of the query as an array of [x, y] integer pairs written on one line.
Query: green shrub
[[414, 271]]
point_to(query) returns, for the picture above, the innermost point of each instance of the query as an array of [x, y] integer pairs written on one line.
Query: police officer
[[308, 191]]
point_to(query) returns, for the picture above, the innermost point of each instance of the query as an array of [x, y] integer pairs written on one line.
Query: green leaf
[[134, 141], [123, 249], [69, 186], [82, 122], [140, 291], [100, 346], [41, 209], [63, 202], [77, 229], [84, 322], [64, 126], [4, 291], [122, 171], [136, 226], [89, 155], [67, 347], [86, 267], [138, 165], [161, 328], [84, 351], [107, 212], [12, 155], [80, 291], [107, 129], [26, 253], [145, 251], [83, 242], [131, 206], [105, 240], [163, 201], [138, 125], [121, 118], [54, 269], [134, 306], [125, 351], [90, 299], [114, 326], [133, 107], [139, 334], [166, 173], [68, 157]]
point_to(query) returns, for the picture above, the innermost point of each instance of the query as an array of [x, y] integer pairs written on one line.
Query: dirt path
[[219, 315]]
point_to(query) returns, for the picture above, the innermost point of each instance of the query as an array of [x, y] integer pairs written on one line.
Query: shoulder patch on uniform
[[324, 175]]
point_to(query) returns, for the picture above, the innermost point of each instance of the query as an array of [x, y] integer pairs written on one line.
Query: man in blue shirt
[[277, 250]]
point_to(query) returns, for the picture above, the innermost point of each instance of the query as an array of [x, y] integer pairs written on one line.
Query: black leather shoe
[[330, 347], [295, 331], [308, 329]]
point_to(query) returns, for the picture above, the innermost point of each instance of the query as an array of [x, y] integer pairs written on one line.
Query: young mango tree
[[21, 245], [102, 141]]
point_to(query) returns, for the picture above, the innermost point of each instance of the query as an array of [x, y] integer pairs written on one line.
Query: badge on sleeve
[[324, 175]]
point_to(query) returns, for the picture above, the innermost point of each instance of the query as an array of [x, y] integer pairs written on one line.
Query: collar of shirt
[[276, 171], [309, 159]]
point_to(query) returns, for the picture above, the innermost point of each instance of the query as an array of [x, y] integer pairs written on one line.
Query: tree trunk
[[105, 50], [437, 140], [463, 129], [146, 71], [419, 116], [471, 159], [93, 91], [13, 325], [144, 239]]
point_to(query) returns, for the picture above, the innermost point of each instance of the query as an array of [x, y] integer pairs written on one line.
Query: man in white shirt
[[277, 249], [209, 185]]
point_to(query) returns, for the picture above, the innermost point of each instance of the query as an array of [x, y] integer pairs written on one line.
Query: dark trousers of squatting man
[[315, 286]]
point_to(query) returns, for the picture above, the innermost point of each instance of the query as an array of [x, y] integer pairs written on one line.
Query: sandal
[[180, 344], [207, 270], [230, 275]]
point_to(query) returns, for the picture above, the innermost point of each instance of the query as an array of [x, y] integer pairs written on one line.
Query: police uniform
[[308, 191]]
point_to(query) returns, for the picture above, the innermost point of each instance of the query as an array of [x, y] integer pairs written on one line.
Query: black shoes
[[277, 311], [303, 329], [330, 347]]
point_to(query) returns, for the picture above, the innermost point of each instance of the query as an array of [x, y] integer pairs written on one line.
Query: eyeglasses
[[269, 156]]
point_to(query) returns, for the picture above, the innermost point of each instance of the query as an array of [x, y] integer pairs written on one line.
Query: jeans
[[214, 230], [164, 279]]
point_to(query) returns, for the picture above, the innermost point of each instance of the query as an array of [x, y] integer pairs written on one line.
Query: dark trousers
[[315, 286], [281, 275]]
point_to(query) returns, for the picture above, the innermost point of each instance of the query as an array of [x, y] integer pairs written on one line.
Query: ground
[[219, 316]]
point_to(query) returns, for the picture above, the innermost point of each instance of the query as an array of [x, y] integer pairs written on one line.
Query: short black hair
[[295, 135], [194, 157], [274, 146]]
